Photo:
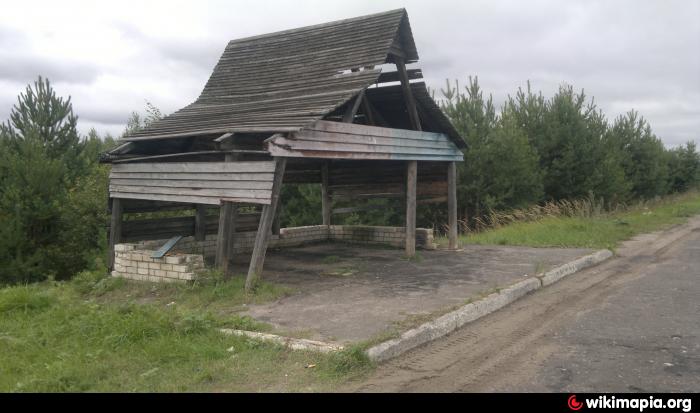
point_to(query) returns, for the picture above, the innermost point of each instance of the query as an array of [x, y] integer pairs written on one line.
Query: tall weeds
[[588, 207]]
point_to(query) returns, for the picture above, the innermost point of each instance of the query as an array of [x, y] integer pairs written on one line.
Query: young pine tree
[[40, 161]]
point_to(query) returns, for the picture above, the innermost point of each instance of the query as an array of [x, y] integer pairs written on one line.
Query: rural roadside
[[97, 333], [629, 324]]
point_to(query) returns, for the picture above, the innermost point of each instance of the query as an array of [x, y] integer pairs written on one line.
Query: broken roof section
[[284, 81]]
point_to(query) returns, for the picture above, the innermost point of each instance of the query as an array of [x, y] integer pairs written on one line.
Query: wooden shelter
[[309, 105]]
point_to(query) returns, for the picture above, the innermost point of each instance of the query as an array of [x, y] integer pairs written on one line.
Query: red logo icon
[[574, 404]]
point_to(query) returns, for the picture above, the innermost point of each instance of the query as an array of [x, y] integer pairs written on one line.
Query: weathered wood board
[[194, 182], [335, 140]]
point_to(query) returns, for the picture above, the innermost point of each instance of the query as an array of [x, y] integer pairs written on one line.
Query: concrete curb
[[552, 276], [292, 343], [477, 309]]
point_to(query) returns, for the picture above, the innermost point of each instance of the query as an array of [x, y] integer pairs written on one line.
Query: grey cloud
[[627, 54], [26, 69]]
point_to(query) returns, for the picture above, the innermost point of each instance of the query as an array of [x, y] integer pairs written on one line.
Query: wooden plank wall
[[161, 228], [193, 182], [357, 180], [336, 140]]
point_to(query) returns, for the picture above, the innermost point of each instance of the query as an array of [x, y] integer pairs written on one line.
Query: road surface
[[631, 324]]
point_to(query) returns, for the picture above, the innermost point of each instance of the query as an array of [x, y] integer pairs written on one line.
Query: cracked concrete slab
[[349, 293]]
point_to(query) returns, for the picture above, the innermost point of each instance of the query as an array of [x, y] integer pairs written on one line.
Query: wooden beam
[[227, 228], [325, 195], [367, 111], [224, 137], [350, 113], [200, 222], [411, 180], [224, 239], [412, 166], [276, 221], [183, 154], [262, 238], [377, 118], [387, 77], [452, 204], [122, 149], [115, 229], [408, 94]]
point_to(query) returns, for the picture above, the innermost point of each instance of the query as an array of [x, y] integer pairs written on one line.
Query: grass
[[103, 334], [602, 230], [210, 292]]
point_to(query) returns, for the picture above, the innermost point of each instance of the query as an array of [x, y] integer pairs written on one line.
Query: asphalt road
[[631, 324]]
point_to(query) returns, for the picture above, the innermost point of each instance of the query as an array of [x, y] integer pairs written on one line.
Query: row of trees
[[53, 193], [536, 149]]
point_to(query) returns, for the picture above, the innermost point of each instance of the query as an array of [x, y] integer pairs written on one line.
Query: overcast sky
[[112, 56]]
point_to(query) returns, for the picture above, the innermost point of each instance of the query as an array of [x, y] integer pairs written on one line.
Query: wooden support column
[[262, 237], [200, 222], [367, 111], [227, 228], [325, 195], [115, 229], [412, 166], [452, 204], [349, 115], [224, 239], [276, 221], [411, 179]]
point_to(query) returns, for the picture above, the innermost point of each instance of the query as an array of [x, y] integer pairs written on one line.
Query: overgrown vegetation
[[102, 334], [583, 223]]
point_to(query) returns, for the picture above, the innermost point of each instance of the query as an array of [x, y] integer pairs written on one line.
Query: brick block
[[174, 260]]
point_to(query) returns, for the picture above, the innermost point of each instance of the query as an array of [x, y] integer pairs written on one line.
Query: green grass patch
[[601, 231], [103, 334], [210, 292]]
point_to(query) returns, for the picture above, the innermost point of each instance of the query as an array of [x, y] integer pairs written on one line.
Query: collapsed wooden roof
[[284, 81]]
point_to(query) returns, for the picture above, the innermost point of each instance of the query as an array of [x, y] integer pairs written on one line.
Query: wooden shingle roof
[[283, 81]]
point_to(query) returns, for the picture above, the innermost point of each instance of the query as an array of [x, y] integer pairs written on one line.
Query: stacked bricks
[[243, 241], [301, 235], [137, 264], [393, 236]]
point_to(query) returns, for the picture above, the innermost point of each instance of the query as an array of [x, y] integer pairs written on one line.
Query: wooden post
[[325, 195], [412, 166], [262, 237], [227, 228], [407, 93], [411, 178], [276, 221], [200, 218], [115, 229], [452, 203], [367, 110], [224, 239]]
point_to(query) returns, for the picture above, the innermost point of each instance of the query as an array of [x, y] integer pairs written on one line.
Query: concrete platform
[[347, 293]]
